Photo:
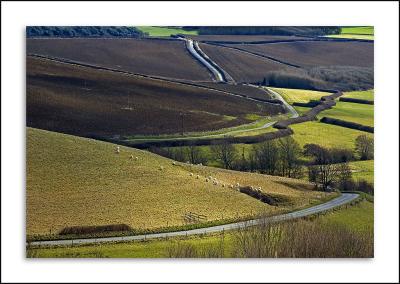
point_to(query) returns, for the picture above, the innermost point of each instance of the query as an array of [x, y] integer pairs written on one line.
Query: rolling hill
[[73, 181]]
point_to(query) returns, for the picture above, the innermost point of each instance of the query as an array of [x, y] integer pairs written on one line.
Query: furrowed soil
[[317, 53], [241, 66], [89, 102], [156, 57]]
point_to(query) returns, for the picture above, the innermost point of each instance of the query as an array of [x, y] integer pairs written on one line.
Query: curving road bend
[[285, 103], [190, 45], [341, 200]]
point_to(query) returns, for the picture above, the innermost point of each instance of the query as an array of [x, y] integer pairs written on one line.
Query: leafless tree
[[225, 153], [289, 155], [365, 147]]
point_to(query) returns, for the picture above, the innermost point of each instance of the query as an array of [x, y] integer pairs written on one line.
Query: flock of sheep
[[207, 179]]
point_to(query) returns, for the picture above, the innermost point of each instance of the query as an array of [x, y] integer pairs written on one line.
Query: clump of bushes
[[82, 230], [343, 78]]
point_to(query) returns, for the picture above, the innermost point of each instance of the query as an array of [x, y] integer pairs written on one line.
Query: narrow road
[[341, 200], [217, 74], [285, 103]]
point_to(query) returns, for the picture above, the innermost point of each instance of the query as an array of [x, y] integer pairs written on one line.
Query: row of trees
[[327, 168]]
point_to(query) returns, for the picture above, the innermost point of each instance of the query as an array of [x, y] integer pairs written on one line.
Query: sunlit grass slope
[[73, 181]]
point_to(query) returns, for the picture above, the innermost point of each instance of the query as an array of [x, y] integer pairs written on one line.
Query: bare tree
[[344, 177], [225, 153], [267, 155], [365, 147], [195, 154], [289, 156]]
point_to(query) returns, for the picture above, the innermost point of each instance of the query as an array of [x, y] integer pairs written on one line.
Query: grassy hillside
[[74, 181], [363, 170], [325, 134], [164, 31], [364, 95], [353, 112], [299, 95], [357, 218]]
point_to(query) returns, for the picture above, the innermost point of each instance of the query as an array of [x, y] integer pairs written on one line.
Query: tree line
[[327, 168], [82, 31]]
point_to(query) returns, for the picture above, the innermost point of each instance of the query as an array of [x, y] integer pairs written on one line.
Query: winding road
[[339, 201], [190, 46]]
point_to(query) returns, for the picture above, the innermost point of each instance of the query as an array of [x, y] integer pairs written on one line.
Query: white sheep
[[174, 163], [237, 184], [206, 179], [161, 168], [131, 157], [117, 150], [136, 158], [230, 186], [191, 174], [223, 185]]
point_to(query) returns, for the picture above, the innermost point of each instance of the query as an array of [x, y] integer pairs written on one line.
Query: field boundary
[[343, 199], [347, 124]]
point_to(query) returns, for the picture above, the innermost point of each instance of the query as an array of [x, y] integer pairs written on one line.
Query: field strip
[[259, 55], [97, 67], [339, 201]]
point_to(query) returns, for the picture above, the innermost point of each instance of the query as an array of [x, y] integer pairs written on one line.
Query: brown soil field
[[245, 90], [241, 66], [244, 38], [88, 102], [164, 58], [317, 53]]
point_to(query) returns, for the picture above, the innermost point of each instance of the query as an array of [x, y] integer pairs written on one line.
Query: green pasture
[[164, 31]]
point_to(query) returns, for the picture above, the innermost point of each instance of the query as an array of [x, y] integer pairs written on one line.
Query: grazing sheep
[[223, 185], [191, 174], [117, 150], [230, 186], [206, 179], [174, 163], [161, 168], [237, 184], [197, 176], [136, 158], [200, 164], [131, 157]]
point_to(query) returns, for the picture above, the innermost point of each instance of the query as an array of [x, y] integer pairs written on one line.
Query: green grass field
[[326, 135], [353, 112], [164, 31], [73, 181], [357, 218], [369, 30], [364, 95], [299, 95], [363, 170], [356, 33]]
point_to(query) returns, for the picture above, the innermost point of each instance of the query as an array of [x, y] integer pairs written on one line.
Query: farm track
[[345, 198]]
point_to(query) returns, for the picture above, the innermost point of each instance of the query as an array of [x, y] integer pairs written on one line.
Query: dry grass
[[74, 181]]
